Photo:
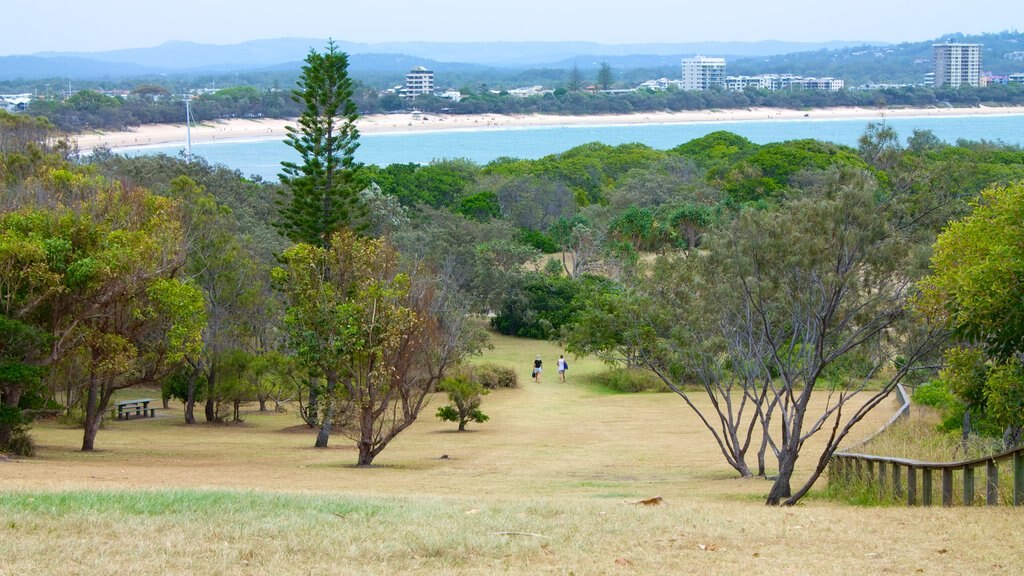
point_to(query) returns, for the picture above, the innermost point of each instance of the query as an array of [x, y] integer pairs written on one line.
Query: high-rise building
[[418, 81], [702, 73], [957, 64]]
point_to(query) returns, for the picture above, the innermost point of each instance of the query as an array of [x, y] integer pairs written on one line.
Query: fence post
[[992, 488], [947, 486], [968, 486], [1018, 478], [926, 486], [911, 486], [897, 488], [882, 470]]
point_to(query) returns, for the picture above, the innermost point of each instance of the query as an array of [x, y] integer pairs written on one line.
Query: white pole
[[188, 131]]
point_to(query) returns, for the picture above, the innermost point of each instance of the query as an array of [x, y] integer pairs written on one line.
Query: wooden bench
[[126, 409]]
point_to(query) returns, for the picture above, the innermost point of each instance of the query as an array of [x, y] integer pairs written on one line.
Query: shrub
[[631, 380], [489, 375], [536, 239], [74, 417], [21, 443]]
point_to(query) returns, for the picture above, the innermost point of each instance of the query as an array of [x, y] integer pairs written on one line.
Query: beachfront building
[[418, 81], [15, 102], [777, 82], [660, 85], [957, 64], [703, 73]]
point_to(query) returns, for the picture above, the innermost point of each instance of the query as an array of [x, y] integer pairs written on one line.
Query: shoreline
[[405, 123]]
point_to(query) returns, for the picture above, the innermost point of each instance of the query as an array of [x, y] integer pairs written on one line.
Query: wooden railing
[[898, 477]]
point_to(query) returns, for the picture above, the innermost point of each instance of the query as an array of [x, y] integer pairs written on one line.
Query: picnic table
[[126, 409]]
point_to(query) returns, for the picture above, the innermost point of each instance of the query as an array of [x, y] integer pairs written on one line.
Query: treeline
[[90, 110], [154, 104], [563, 102]]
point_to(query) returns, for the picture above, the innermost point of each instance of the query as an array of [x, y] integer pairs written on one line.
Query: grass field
[[547, 486]]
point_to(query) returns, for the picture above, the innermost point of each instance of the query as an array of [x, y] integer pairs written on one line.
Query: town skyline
[[118, 24]]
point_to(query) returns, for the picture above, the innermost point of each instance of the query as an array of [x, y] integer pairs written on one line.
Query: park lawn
[[547, 486]]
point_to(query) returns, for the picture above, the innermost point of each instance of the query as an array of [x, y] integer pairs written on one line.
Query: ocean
[[263, 157]]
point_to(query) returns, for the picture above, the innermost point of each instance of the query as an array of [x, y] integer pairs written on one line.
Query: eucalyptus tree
[[381, 339]]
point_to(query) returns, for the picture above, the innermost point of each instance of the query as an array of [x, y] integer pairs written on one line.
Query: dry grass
[[557, 465]]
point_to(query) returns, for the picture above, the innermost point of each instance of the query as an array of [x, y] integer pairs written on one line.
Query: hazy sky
[[92, 25]]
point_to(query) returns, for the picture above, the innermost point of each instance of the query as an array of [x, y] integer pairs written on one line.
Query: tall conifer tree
[[321, 192]]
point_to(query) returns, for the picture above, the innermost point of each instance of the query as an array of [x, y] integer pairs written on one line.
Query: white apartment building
[[702, 73], [776, 82], [957, 64], [418, 81]]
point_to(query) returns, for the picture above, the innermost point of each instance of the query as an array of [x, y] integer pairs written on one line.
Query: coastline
[[266, 128]]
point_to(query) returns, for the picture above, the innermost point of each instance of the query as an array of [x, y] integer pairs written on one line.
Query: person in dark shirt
[[537, 369]]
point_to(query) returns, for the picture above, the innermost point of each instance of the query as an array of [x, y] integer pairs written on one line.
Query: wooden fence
[[915, 480]]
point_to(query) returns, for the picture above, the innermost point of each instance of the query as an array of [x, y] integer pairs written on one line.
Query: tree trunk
[[366, 454], [190, 398], [167, 402], [263, 403], [211, 382], [325, 427], [236, 415], [781, 489], [93, 417], [462, 424], [11, 397]]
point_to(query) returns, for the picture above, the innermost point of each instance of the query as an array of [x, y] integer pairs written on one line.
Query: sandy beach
[[246, 129]]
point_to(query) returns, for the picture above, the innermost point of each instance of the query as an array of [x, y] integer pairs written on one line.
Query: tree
[[575, 81], [580, 244], [792, 293], [321, 193], [605, 77], [975, 288], [380, 339], [97, 272], [226, 273], [465, 397]]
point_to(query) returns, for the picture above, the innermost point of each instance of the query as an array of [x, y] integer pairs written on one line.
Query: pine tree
[[321, 192]]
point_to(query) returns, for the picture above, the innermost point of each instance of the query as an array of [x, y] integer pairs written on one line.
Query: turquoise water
[[263, 157]]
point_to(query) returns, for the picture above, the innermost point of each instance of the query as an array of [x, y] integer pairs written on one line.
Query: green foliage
[[717, 149], [488, 374], [544, 305], [479, 206], [630, 380], [975, 288], [440, 184], [465, 397], [536, 239], [766, 173], [322, 190]]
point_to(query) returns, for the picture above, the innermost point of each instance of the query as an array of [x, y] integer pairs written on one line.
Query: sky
[[97, 25]]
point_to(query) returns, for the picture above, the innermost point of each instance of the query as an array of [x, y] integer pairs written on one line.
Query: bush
[[21, 443], [631, 380], [536, 239], [74, 417], [935, 394], [489, 375]]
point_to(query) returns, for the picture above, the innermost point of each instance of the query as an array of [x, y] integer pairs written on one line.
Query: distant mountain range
[[183, 58], [511, 63]]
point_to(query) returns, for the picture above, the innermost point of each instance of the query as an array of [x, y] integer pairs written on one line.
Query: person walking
[[562, 367], [537, 369]]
